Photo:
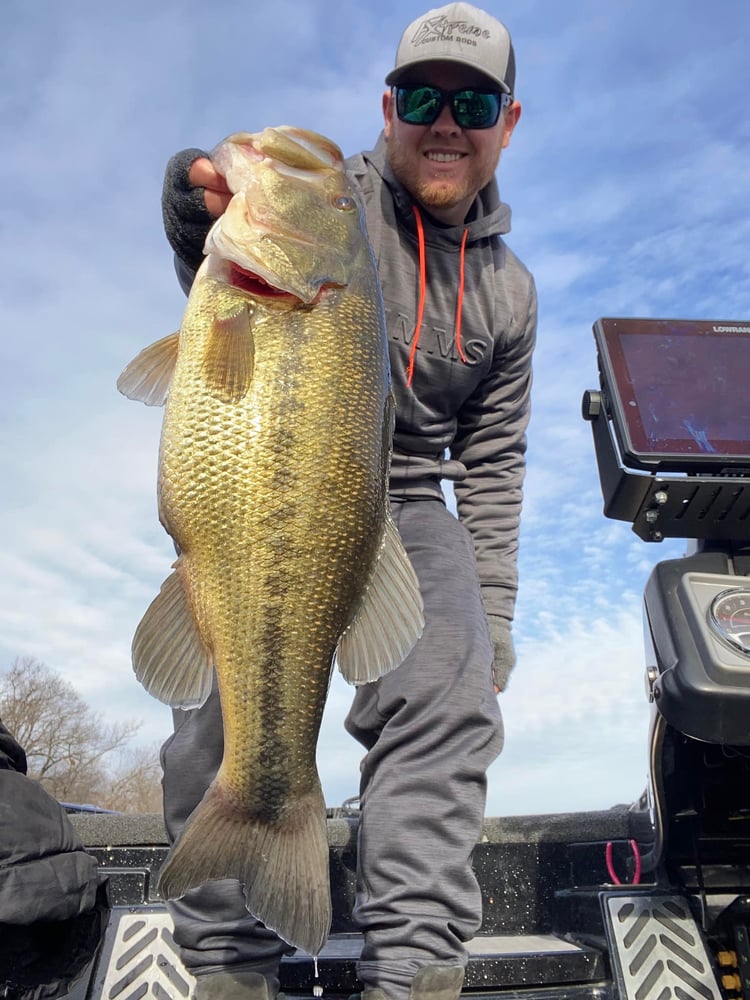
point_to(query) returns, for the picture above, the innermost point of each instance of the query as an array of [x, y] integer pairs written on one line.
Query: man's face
[[442, 165]]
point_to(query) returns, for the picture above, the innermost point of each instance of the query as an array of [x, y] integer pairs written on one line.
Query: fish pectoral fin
[[170, 658], [389, 620], [230, 354], [149, 375]]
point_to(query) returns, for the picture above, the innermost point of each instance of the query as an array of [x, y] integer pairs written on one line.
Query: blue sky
[[628, 177]]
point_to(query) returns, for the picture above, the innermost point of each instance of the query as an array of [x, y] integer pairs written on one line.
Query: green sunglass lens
[[473, 109], [419, 105]]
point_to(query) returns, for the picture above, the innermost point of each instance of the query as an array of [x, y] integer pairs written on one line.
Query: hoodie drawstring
[[423, 293], [460, 302]]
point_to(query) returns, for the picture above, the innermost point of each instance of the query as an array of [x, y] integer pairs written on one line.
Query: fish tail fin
[[283, 865]]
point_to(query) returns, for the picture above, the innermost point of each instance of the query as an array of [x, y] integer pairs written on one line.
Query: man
[[461, 315]]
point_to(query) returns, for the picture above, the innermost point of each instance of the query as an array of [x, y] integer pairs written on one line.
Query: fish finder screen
[[680, 389]]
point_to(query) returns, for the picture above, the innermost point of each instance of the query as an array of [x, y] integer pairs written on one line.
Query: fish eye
[[344, 203]]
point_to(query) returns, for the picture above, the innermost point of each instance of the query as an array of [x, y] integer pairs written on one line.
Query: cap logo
[[440, 29]]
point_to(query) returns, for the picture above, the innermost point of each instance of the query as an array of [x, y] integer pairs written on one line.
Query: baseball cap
[[460, 33]]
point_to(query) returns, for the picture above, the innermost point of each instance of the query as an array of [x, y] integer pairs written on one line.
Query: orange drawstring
[[423, 293], [460, 301]]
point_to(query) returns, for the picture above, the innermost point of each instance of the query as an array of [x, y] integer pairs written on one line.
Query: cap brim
[[400, 73]]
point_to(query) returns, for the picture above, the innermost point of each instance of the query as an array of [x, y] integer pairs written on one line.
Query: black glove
[[186, 218], [505, 654]]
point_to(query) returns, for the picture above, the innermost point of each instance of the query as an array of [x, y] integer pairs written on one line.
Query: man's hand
[[216, 194], [505, 654], [193, 197]]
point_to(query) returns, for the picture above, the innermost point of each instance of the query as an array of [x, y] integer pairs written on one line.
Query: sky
[[629, 180]]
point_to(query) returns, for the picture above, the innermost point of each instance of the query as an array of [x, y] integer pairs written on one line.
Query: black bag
[[53, 902]]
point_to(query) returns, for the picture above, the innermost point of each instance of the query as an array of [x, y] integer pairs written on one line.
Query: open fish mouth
[[254, 284], [257, 286]]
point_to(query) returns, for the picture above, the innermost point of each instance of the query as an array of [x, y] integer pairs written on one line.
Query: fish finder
[[672, 426]]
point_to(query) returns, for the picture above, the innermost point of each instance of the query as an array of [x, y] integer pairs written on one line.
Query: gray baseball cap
[[459, 33]]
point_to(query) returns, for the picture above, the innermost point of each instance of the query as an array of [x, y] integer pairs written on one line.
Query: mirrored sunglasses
[[471, 108]]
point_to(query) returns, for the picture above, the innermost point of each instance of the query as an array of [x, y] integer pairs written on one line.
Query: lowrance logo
[[731, 329]]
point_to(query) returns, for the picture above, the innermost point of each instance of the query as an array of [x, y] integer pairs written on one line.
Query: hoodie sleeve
[[491, 443], [185, 274]]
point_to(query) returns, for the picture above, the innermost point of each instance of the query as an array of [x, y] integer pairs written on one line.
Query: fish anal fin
[[390, 618], [230, 354], [282, 865], [149, 375], [170, 658]]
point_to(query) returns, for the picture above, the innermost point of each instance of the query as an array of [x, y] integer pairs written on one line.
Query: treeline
[[70, 750]]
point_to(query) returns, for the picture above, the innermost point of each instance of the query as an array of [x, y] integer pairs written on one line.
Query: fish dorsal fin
[[170, 658], [389, 620], [230, 354], [148, 376]]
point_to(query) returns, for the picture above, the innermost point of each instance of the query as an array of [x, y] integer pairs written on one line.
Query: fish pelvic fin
[[282, 865], [149, 375], [229, 358], [170, 658], [390, 618]]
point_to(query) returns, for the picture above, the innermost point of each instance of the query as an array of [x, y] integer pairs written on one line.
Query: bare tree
[[66, 743], [134, 785]]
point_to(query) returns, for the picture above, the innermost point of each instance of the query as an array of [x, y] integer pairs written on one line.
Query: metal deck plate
[[659, 950], [142, 959]]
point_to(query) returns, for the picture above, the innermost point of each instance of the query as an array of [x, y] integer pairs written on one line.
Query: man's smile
[[443, 157]]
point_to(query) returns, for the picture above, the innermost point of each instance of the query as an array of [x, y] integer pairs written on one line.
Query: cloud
[[575, 709]]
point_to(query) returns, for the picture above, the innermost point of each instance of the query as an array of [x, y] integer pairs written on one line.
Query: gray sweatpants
[[431, 729]]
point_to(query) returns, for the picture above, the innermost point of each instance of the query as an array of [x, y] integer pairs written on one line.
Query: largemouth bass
[[273, 474]]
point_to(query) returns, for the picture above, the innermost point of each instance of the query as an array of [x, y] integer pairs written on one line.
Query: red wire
[[611, 868], [637, 856]]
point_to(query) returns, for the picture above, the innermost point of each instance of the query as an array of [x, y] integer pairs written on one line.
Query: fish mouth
[[254, 284], [260, 288]]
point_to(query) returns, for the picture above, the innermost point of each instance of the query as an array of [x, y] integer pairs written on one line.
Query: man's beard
[[438, 193], [431, 194]]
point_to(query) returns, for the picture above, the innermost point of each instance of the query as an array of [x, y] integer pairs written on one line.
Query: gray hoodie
[[474, 409]]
